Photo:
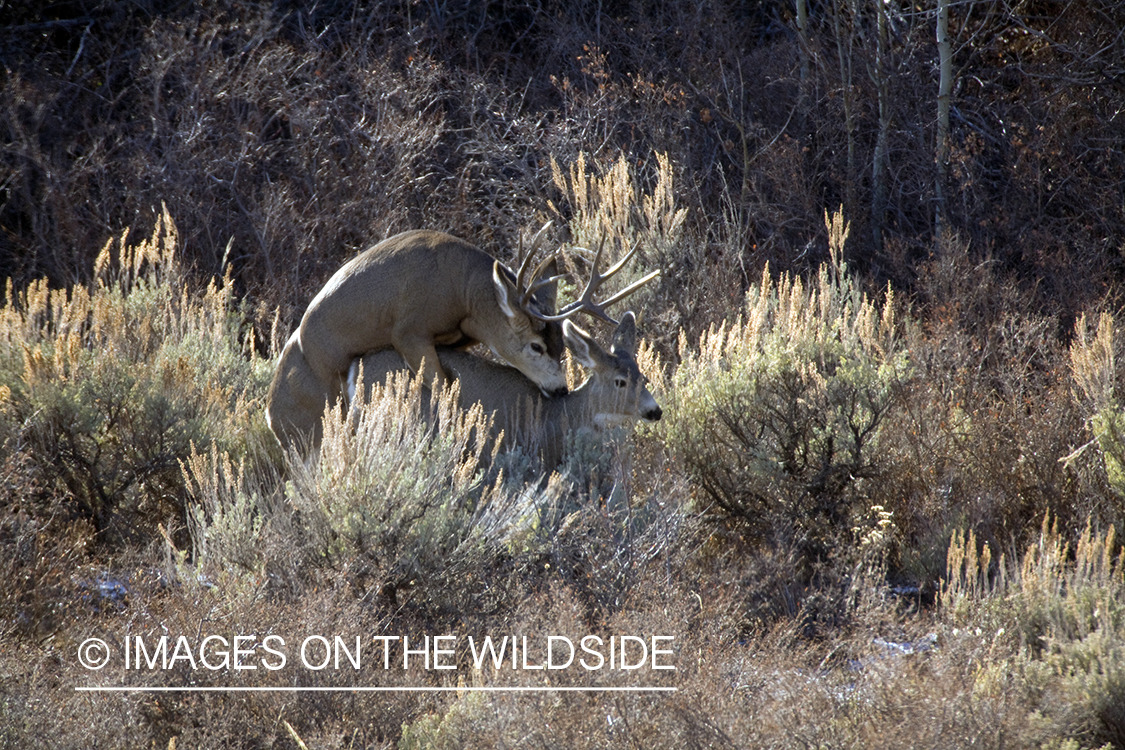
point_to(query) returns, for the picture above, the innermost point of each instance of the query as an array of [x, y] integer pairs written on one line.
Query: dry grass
[[397, 528], [882, 574]]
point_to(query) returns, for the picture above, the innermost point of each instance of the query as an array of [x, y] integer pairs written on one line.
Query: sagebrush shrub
[[612, 208], [107, 387], [1056, 614], [396, 481], [778, 415], [1093, 361]]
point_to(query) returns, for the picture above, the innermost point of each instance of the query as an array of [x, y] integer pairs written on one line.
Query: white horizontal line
[[374, 689]]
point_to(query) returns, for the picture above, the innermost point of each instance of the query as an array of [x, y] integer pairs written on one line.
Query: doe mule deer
[[615, 392]]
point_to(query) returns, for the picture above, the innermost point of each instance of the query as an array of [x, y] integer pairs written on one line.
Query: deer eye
[[621, 382], [537, 348]]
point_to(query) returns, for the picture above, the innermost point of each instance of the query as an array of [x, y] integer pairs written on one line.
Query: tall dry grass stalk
[[1093, 360], [614, 205]]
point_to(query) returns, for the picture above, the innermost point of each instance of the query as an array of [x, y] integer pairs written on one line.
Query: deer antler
[[585, 303], [526, 290]]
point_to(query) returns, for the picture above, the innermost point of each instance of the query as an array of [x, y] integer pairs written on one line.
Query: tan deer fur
[[413, 291], [615, 392]]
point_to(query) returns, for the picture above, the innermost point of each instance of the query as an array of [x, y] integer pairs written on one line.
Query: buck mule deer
[[413, 292], [614, 393]]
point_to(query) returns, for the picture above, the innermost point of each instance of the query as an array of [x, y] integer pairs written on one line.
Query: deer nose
[[653, 415], [561, 391]]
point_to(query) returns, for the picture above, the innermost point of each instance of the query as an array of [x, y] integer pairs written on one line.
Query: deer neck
[[573, 409]]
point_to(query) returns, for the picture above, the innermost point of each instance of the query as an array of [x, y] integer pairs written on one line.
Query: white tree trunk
[[882, 79], [945, 89]]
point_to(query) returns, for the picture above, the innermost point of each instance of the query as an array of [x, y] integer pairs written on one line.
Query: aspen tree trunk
[[844, 44], [881, 75], [945, 88], [803, 50]]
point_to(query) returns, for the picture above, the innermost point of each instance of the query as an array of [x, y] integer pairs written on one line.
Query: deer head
[[616, 389]]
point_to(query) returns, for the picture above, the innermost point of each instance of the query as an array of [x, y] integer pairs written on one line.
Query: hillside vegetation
[[884, 505]]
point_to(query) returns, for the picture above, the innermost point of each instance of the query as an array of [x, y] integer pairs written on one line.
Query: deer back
[[425, 286], [614, 393]]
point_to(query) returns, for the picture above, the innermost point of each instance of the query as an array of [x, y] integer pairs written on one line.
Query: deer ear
[[625, 337], [582, 346], [505, 290]]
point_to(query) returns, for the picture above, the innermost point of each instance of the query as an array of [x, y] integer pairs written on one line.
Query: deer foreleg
[[422, 358]]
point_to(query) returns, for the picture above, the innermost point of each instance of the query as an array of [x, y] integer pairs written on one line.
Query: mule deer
[[614, 393], [413, 292]]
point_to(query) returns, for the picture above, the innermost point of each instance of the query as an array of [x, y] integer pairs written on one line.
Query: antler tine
[[617, 266], [541, 281], [585, 303], [629, 290], [525, 260]]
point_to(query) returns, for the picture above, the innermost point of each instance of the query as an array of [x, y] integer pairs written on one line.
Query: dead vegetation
[[884, 507]]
